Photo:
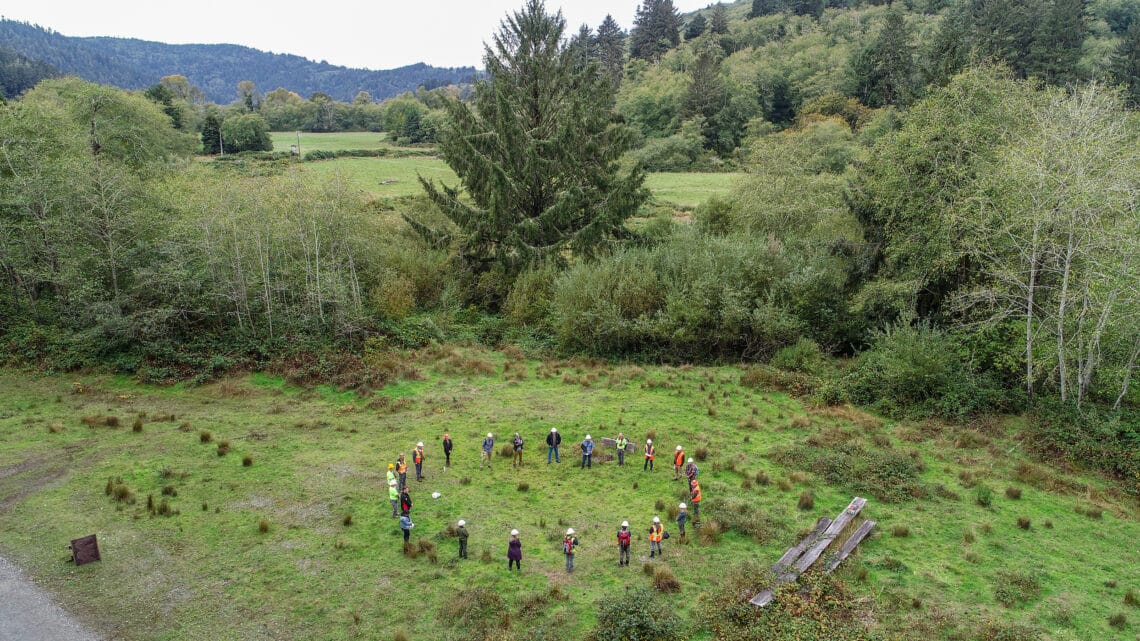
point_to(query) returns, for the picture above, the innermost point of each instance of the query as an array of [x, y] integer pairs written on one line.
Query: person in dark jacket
[[588, 453], [517, 442], [405, 501], [447, 450], [488, 451], [406, 525], [623, 538], [553, 440], [682, 516], [514, 552], [461, 532]]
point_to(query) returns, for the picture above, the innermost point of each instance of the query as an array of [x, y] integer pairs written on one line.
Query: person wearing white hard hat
[[514, 552], [649, 454], [517, 443], [588, 453], [461, 532], [682, 516], [488, 450], [623, 539], [691, 470], [553, 440], [569, 542], [656, 533], [678, 462], [622, 442], [394, 497], [418, 459]]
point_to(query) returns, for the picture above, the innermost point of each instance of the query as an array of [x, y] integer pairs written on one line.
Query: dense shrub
[[804, 356], [1088, 437], [1012, 588], [885, 474], [637, 615], [917, 372]]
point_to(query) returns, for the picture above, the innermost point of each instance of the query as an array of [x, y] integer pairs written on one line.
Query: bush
[[807, 500], [804, 356], [885, 474], [984, 496], [205, 437], [638, 614], [1089, 437], [1012, 588], [665, 581]]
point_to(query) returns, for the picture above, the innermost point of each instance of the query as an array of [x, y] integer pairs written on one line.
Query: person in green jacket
[[622, 443], [461, 532], [394, 496]]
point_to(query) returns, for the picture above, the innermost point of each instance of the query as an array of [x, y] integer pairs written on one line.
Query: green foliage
[[885, 474], [474, 614], [1012, 588], [247, 132], [18, 73], [1092, 437], [883, 73], [637, 615], [656, 29], [537, 154], [804, 356]]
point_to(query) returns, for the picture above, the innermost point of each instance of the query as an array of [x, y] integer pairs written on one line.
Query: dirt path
[[27, 613]]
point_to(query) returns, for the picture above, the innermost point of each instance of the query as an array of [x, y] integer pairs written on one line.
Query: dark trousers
[[552, 451], [407, 533], [516, 563], [463, 548], [420, 471], [623, 555], [648, 465], [403, 481], [696, 511], [588, 460], [447, 463], [621, 457]]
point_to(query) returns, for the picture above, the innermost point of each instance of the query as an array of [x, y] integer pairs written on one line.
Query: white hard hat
[[682, 506], [420, 444], [392, 482], [489, 435], [587, 437], [514, 532], [656, 519], [690, 459], [679, 448], [462, 523], [554, 429], [569, 531], [625, 523], [648, 440]]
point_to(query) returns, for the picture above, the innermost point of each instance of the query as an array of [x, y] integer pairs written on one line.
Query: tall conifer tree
[[656, 29], [610, 44], [537, 154]]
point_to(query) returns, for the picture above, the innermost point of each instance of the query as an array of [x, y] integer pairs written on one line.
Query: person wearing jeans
[[488, 451], [622, 442], [588, 453], [553, 440], [568, 545]]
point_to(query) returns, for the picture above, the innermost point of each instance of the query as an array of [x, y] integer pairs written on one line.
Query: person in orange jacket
[[402, 472], [418, 459], [656, 533], [695, 499], [678, 463], [649, 453]]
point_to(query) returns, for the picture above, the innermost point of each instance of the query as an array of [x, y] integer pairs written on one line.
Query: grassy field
[[687, 190], [282, 140], [934, 568]]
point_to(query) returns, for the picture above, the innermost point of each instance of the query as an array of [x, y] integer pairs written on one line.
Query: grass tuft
[[807, 500], [246, 460], [523, 487], [984, 496], [659, 505], [1023, 522], [900, 531], [1118, 621], [466, 480], [701, 453], [784, 485], [137, 426], [665, 581], [347, 521], [223, 448], [205, 437], [1013, 493], [263, 526], [169, 490]]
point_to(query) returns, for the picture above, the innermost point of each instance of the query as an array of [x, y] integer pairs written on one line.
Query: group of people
[[683, 469]]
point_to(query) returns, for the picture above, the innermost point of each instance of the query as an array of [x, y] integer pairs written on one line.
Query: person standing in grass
[[488, 451], [568, 544], [447, 450], [588, 453], [406, 525], [682, 516], [678, 462], [461, 532], [517, 442], [695, 499], [514, 552], [418, 459], [391, 475], [405, 501], [622, 443], [623, 539], [394, 497], [649, 453], [656, 533], [691, 470], [553, 440], [402, 471]]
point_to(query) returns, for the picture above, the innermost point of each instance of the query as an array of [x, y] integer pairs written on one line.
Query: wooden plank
[[612, 442], [849, 545], [829, 535], [781, 569]]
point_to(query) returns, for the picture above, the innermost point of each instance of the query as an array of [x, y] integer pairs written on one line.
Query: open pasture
[[221, 462]]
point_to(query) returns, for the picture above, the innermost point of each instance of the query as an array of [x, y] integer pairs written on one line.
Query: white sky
[[381, 34]]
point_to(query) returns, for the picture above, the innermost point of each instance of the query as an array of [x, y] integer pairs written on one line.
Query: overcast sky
[[381, 34]]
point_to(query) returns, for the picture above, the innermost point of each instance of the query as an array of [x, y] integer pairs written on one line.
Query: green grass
[[321, 454], [688, 190], [385, 177], [282, 140]]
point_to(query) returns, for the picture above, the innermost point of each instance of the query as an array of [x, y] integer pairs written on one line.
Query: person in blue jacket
[[488, 450], [588, 453]]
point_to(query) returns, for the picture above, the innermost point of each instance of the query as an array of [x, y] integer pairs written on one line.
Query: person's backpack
[[567, 546], [623, 537]]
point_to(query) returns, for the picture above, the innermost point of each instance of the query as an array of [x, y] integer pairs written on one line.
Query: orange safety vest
[[679, 459], [695, 492], [649, 452], [655, 532], [419, 455], [401, 467]]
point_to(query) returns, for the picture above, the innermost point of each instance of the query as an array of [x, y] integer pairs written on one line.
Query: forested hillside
[[215, 69], [18, 73]]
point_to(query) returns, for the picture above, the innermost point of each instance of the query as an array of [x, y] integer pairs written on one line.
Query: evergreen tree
[[765, 8], [610, 45], [656, 29], [212, 133], [883, 73], [696, 27], [1126, 65], [707, 95], [781, 107], [719, 22], [812, 8], [537, 154], [581, 46], [1057, 43]]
